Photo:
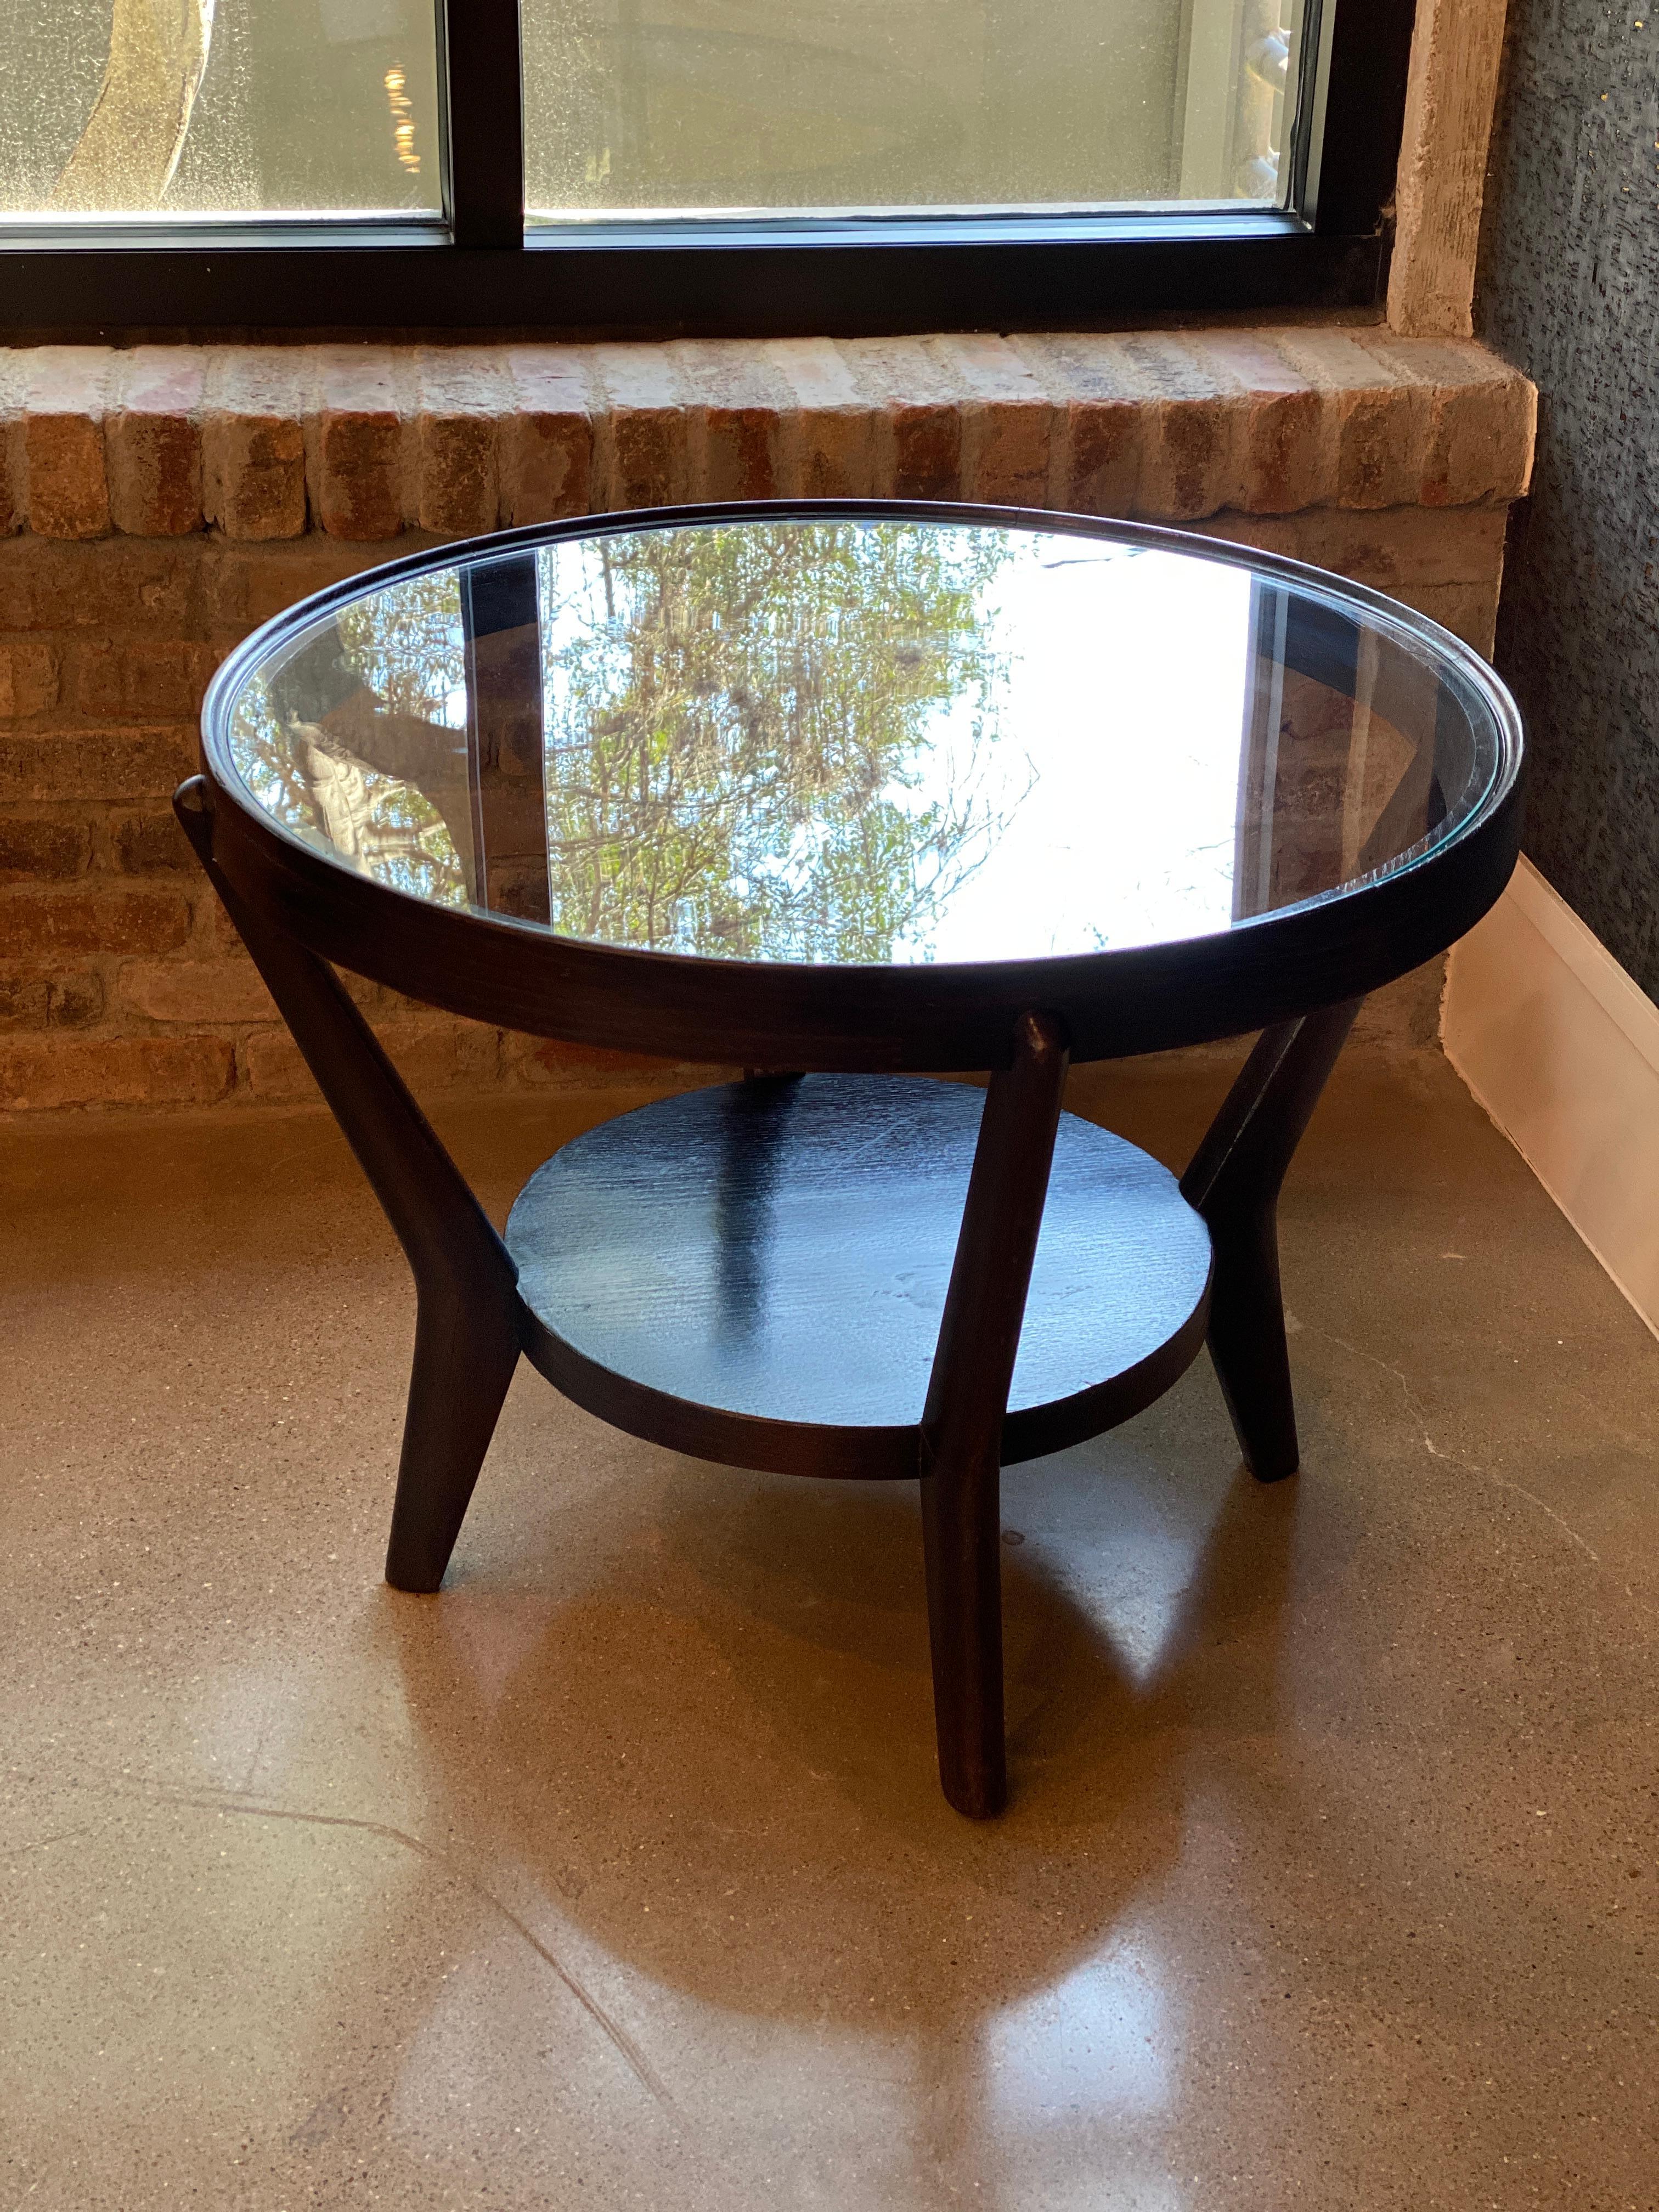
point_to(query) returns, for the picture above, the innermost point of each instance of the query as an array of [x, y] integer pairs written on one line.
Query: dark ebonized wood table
[[850, 796]]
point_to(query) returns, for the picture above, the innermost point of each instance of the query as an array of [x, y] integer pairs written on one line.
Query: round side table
[[851, 795]]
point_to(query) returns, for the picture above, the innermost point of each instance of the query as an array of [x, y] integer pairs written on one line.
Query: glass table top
[[881, 740]]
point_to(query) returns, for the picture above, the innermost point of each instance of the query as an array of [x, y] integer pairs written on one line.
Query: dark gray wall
[[1569, 290]]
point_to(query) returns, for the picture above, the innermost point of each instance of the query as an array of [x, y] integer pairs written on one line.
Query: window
[[182, 109], [680, 108], [750, 165]]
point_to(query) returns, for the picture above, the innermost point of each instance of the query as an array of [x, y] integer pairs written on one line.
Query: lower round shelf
[[756, 1273]]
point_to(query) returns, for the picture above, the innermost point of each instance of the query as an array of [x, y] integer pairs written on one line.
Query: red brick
[[253, 441], [1096, 467], [547, 441], [360, 443], [215, 930], [36, 997], [1288, 456], [740, 402], [154, 438], [89, 921], [68, 494], [101, 764], [51, 846], [441, 1052], [29, 677], [146, 844], [1183, 425], [374, 997], [643, 433], [194, 991], [116, 586], [63, 442], [135, 680], [248, 585], [1469, 611], [1400, 550], [14, 395], [274, 1069], [430, 1054], [1480, 425], [919, 429], [1008, 420], [464, 391], [1381, 421], [829, 435], [115, 1072], [1383, 436], [1189, 463], [379, 998]]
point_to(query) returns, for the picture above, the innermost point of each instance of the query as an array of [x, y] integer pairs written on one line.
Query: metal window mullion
[[483, 105], [1356, 113]]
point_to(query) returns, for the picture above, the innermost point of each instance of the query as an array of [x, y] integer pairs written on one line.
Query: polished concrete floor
[[617, 1876]]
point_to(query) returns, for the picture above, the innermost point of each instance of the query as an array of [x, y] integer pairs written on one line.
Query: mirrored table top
[[871, 740]]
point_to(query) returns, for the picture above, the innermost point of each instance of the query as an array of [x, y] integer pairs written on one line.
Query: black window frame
[[478, 269]]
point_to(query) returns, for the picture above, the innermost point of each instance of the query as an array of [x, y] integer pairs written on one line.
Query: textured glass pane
[[200, 107], [689, 106]]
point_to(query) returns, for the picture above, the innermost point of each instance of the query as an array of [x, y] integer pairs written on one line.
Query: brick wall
[[157, 504]]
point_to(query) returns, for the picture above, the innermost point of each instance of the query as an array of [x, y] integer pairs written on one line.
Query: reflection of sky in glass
[[1078, 791], [1116, 771]]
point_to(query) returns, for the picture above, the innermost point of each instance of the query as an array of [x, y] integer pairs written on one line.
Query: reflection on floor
[[618, 1874]]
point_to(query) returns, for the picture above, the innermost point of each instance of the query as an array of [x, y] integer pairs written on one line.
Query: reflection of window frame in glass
[[1333, 142]]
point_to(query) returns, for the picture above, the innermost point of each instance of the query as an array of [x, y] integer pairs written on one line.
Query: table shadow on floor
[[718, 1759]]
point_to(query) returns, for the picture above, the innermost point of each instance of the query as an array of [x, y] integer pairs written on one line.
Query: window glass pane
[[196, 107], [688, 107]]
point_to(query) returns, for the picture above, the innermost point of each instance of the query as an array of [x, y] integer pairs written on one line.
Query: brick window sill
[[364, 442], [158, 503]]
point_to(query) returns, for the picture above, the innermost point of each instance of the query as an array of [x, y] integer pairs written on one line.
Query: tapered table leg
[[967, 1400], [1234, 1181], [467, 1325], [466, 1348]]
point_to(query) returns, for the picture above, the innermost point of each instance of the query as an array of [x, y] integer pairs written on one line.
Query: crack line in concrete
[[40, 1843], [1455, 1459], [229, 1802]]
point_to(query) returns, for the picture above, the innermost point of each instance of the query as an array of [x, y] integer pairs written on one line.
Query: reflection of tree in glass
[[346, 743], [737, 734], [404, 643]]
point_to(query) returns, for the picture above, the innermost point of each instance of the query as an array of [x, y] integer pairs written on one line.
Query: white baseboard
[[1562, 1049]]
